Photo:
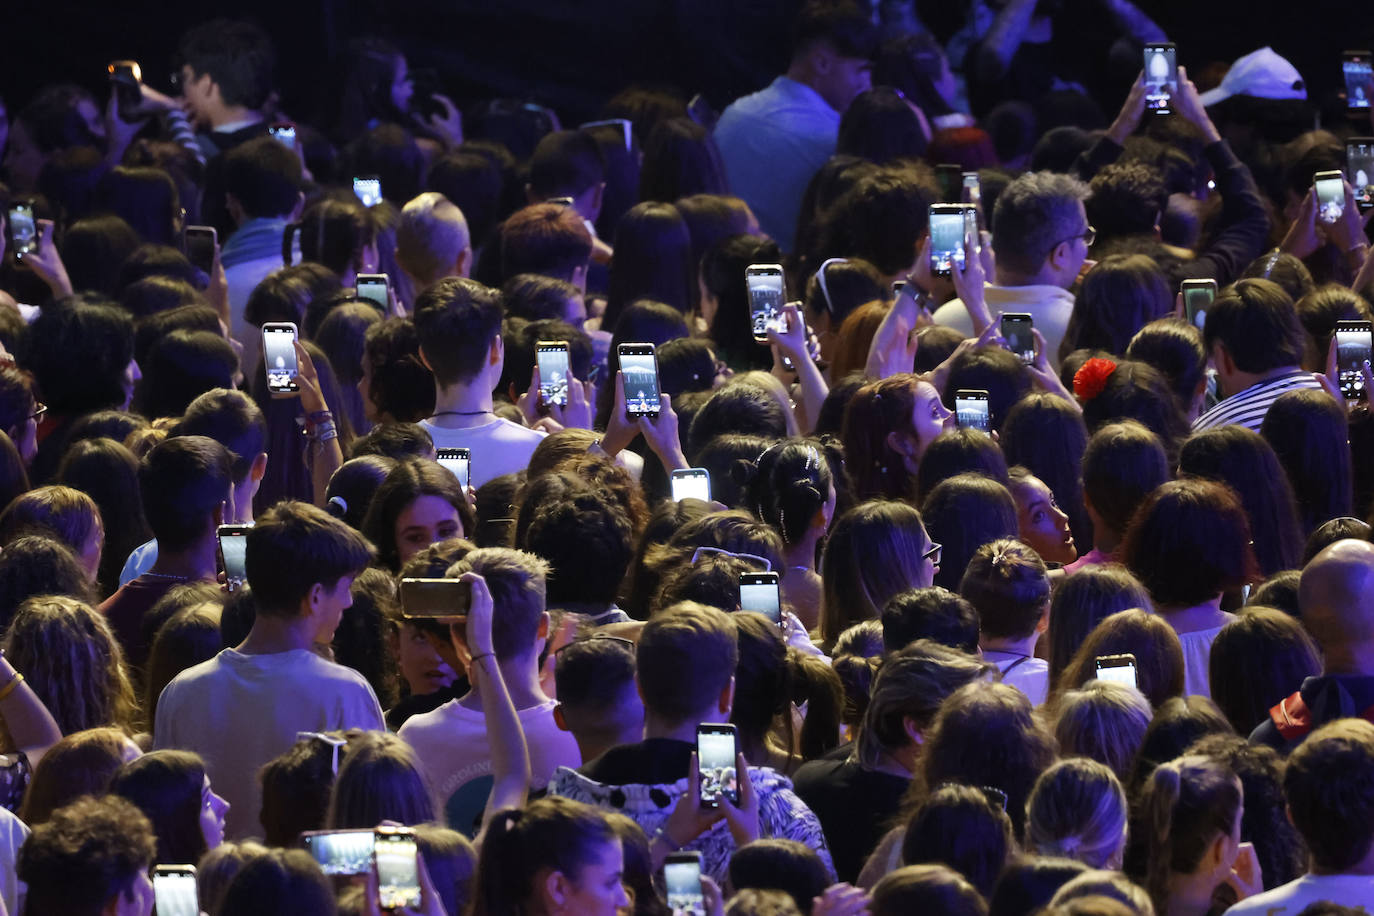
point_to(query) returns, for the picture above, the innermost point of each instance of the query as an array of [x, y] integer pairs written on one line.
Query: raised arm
[[32, 727]]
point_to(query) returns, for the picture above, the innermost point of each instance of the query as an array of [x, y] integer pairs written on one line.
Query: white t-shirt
[[1291, 898], [499, 447], [240, 711], [451, 744], [1048, 306], [1031, 676], [1197, 654], [13, 833]]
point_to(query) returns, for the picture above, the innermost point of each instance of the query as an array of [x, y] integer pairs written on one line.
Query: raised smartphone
[[1354, 345], [284, 132], [1330, 195], [375, 288], [1016, 331], [1358, 69], [717, 749], [759, 592], [435, 597], [233, 544], [458, 461], [200, 247], [279, 356], [341, 852], [21, 230], [174, 890], [368, 189], [766, 298], [551, 356], [639, 367], [398, 868], [947, 233], [1119, 669], [682, 882], [1359, 170], [971, 409], [1197, 299], [949, 178], [690, 483], [1161, 76]]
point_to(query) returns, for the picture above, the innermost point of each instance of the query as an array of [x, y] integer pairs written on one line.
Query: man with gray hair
[[1040, 235], [432, 240]]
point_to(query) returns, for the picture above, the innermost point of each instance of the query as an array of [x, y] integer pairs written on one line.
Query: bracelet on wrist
[[482, 655], [661, 834], [12, 686]]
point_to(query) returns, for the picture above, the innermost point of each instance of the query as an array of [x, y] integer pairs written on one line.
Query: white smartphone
[[279, 356], [458, 462], [766, 298], [174, 890], [690, 483], [1119, 669]]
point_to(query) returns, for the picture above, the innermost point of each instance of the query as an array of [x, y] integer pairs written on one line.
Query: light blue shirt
[[772, 142]]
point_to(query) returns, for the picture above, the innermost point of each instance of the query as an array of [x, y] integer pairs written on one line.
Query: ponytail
[[554, 833], [1161, 797], [1187, 802]]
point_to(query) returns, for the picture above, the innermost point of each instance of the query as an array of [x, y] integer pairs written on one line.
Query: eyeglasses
[[606, 637], [762, 561], [334, 741], [933, 554], [820, 280], [38, 410], [1088, 236]]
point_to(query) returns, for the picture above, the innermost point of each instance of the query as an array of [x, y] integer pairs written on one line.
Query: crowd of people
[[344, 565]]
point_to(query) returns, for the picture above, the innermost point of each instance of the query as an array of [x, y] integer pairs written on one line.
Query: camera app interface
[[641, 382], [683, 882], [1017, 333], [553, 375], [234, 548], [761, 597], [716, 763], [946, 242], [398, 879], [279, 353], [343, 853], [765, 303], [1360, 169], [1352, 349], [1161, 78]]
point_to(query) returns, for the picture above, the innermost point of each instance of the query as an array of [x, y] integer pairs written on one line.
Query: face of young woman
[[212, 812], [427, 520], [1042, 524], [929, 417], [598, 889], [424, 670]]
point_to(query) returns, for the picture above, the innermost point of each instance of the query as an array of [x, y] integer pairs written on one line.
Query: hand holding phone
[[690, 483], [639, 372], [1016, 331], [766, 296], [552, 359], [1197, 299], [1161, 77], [21, 230], [682, 882], [1330, 187], [947, 234], [1354, 345], [397, 854], [458, 462], [760, 593], [717, 751], [201, 245]]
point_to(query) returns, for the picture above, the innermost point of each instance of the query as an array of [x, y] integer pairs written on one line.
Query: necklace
[[459, 413], [166, 576]]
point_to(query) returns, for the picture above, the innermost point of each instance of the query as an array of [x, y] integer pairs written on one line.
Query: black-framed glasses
[[933, 554], [607, 637], [38, 410], [1088, 236], [334, 741]]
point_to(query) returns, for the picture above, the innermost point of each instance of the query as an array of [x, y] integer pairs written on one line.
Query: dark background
[[573, 54]]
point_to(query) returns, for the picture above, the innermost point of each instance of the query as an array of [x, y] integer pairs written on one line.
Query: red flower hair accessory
[[1091, 378]]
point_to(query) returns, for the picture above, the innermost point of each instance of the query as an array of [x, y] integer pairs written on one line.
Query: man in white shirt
[[1329, 784], [1040, 234], [246, 705], [1008, 586], [773, 141], [451, 741], [459, 324]]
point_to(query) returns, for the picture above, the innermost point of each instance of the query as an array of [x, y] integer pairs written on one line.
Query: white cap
[[1262, 74]]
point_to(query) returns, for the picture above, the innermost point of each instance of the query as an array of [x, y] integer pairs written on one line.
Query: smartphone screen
[[758, 592], [375, 288], [279, 356], [682, 881], [971, 409], [1359, 79], [640, 370], [1353, 346], [22, 229], [458, 461], [946, 238], [174, 891], [1161, 77], [233, 545], [950, 180], [200, 247], [398, 872], [552, 359], [1359, 169], [1119, 669], [368, 188], [765, 298], [341, 852], [1197, 299], [435, 597], [716, 751], [1016, 331], [284, 132], [691, 483], [1330, 196]]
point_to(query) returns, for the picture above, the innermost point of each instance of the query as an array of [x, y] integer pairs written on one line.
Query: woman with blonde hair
[[1077, 810], [1103, 721], [379, 780]]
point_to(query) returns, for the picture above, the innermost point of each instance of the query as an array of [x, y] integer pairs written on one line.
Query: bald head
[[432, 240], [1336, 597]]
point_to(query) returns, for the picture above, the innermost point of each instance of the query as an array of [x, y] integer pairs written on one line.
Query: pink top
[[1093, 557]]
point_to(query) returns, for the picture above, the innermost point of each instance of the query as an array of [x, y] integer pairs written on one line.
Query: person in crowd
[[173, 792], [300, 564], [597, 700], [1122, 464], [432, 241], [1008, 585], [91, 857], [1077, 810]]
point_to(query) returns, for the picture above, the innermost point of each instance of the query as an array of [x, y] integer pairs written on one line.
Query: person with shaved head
[[1336, 598]]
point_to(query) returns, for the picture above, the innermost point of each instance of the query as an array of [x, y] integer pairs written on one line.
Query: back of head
[[78, 354], [1078, 809], [473, 183], [1155, 645], [548, 239], [296, 786], [1102, 721], [882, 218], [1085, 599], [959, 826], [1186, 803], [401, 387], [431, 237], [1028, 883], [1335, 597], [1009, 586], [1310, 435], [281, 882], [960, 451], [995, 370], [292, 548], [379, 780], [685, 659], [737, 408], [335, 230], [782, 865], [932, 613], [926, 889], [1329, 783], [79, 764], [264, 177], [1130, 390], [1093, 886], [1034, 214], [1128, 198], [873, 552], [566, 163], [963, 513], [1256, 323], [1174, 347], [457, 320], [908, 692], [182, 366], [238, 56], [1124, 462], [516, 581], [1259, 658], [1118, 297], [145, 197], [880, 125], [87, 858], [592, 676], [588, 541], [184, 481]]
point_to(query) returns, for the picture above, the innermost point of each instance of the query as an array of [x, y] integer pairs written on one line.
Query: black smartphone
[[341, 852], [690, 483], [682, 881], [639, 367], [1161, 76], [368, 189], [759, 592], [200, 247], [1016, 331], [458, 461], [174, 890], [284, 132], [1359, 170], [1119, 669], [126, 77], [398, 868], [233, 544], [1354, 345], [947, 232], [971, 409], [950, 181], [435, 597], [551, 356], [1197, 299], [717, 750], [21, 230], [375, 288], [973, 196], [766, 298], [279, 356], [1358, 69], [1330, 195]]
